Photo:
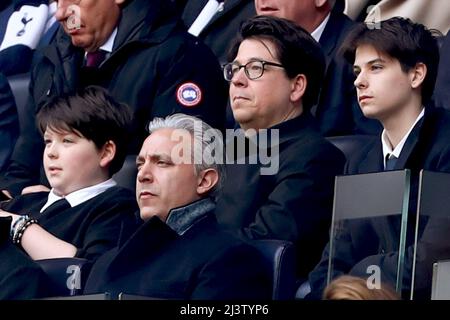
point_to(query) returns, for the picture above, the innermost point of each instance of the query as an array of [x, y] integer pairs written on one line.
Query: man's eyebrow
[[153, 157], [377, 60], [140, 158], [251, 59]]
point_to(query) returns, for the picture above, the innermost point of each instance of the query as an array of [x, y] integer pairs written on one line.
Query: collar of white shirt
[[316, 34], [109, 44], [77, 197], [387, 146]]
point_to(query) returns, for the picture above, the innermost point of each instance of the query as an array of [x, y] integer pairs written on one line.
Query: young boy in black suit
[[82, 216]]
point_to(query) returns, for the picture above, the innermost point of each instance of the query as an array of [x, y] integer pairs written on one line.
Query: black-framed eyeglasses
[[253, 69]]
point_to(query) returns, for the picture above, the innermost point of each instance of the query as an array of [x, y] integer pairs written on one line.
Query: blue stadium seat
[[280, 258], [351, 143], [126, 177], [66, 275]]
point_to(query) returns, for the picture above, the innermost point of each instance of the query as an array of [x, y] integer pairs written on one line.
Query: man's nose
[[145, 174], [360, 81], [239, 78]]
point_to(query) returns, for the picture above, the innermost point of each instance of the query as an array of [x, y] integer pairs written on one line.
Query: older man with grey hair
[[180, 252]]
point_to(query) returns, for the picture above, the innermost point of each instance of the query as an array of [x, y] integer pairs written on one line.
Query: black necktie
[[390, 162], [95, 59]]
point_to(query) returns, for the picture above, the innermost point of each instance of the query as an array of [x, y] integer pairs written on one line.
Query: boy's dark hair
[[94, 114], [296, 49], [401, 39]]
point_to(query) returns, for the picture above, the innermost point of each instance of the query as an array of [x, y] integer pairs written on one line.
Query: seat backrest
[[66, 275], [19, 87], [126, 177], [280, 258], [351, 143]]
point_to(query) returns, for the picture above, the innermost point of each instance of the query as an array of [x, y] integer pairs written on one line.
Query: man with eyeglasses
[[275, 77]]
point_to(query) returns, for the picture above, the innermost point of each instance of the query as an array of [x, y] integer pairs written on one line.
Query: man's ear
[[108, 153], [207, 179], [298, 87], [418, 74]]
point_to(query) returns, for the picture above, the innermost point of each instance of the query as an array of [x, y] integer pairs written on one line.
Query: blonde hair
[[354, 288]]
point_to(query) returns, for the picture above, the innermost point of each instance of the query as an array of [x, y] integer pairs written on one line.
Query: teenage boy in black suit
[[395, 67]]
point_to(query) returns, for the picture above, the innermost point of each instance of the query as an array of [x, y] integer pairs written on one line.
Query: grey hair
[[202, 140]]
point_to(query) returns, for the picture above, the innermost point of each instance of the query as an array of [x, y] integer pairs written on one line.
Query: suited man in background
[[337, 110]]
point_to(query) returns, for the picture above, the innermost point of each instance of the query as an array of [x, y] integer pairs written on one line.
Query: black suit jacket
[[372, 241], [338, 111], [292, 204], [223, 27], [202, 263]]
